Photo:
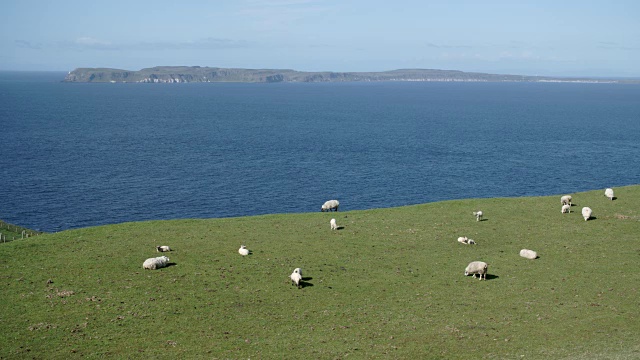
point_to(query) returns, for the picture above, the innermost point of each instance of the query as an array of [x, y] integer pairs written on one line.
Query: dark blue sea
[[76, 155]]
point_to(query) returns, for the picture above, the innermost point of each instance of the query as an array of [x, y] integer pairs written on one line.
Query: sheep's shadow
[[340, 228], [304, 283], [592, 218], [483, 219], [487, 277], [171, 264]]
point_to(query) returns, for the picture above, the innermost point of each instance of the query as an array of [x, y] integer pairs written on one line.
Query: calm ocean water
[[77, 155]]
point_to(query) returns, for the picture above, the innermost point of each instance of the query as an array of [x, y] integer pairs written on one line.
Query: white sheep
[[566, 208], [466, 241], [478, 215], [243, 250], [330, 205], [163, 248], [566, 200], [609, 193], [477, 267], [586, 213], [296, 277], [528, 254], [155, 263]]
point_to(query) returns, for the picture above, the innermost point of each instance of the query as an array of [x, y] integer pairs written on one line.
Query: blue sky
[[571, 38]]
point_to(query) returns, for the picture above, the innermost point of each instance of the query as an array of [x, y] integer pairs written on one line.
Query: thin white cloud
[[440, 46], [27, 44], [89, 41], [609, 45], [210, 43], [268, 15]]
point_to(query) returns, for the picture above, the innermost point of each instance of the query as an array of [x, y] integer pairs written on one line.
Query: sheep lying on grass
[[609, 193], [243, 250], [163, 248], [566, 208], [586, 213], [466, 241], [333, 224], [478, 215], [155, 263], [296, 277], [477, 267], [528, 254], [566, 200], [330, 205]]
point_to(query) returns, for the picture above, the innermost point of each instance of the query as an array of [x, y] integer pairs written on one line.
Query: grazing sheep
[[478, 215], [528, 254], [243, 250], [477, 267], [163, 248], [155, 263], [330, 205], [296, 277], [586, 213], [566, 208], [334, 226], [298, 270], [566, 200], [609, 193]]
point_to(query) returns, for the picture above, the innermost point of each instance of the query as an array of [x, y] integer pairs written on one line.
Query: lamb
[[330, 205], [155, 263], [586, 213], [609, 193], [478, 215], [333, 224], [566, 200], [466, 241], [477, 267], [296, 277], [528, 254], [163, 248], [566, 208], [243, 250]]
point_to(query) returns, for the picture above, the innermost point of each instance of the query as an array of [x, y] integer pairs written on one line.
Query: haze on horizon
[[551, 38]]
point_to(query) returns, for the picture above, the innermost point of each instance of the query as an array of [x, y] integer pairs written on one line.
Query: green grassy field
[[388, 285]]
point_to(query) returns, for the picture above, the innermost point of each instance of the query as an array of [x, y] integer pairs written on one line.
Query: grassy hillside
[[389, 284], [10, 232]]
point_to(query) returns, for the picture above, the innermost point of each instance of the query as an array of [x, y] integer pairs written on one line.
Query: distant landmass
[[190, 74]]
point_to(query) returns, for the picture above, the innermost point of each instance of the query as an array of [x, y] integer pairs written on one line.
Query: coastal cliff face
[[185, 74], [189, 74]]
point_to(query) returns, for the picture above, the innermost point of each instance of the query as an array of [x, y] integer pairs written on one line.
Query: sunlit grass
[[389, 284]]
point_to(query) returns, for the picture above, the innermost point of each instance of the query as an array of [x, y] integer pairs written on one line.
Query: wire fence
[[10, 232]]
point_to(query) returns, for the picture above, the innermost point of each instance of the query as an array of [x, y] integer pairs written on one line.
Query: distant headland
[[190, 74]]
